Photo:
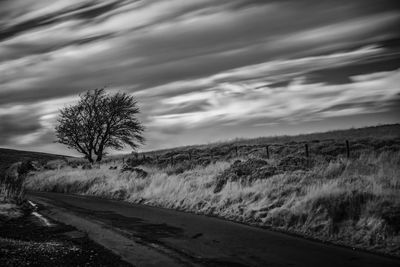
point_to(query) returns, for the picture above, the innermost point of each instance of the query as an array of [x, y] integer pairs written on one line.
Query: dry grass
[[354, 202]]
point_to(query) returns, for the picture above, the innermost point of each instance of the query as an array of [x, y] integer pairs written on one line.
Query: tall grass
[[354, 202]]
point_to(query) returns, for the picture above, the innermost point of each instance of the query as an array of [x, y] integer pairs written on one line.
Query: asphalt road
[[150, 236]]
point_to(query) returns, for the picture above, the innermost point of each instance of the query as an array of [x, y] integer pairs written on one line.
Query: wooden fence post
[[267, 151], [306, 150], [307, 155], [190, 155], [347, 149]]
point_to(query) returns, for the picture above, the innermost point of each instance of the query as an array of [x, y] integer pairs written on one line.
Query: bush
[[12, 182]]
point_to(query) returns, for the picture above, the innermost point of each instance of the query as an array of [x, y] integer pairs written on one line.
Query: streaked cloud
[[198, 65]]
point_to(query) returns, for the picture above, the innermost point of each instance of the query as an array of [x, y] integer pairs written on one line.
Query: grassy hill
[[10, 156], [326, 144], [387, 131], [326, 194]]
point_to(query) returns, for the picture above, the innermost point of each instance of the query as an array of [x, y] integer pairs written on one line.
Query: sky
[[202, 71]]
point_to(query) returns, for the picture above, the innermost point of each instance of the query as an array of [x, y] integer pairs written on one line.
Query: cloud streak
[[198, 65]]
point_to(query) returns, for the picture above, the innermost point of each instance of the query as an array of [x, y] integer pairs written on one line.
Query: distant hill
[[387, 131], [9, 156], [372, 133]]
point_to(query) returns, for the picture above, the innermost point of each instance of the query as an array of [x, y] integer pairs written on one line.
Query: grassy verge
[[353, 202]]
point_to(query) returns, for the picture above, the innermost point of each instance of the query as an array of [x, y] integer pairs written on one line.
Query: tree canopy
[[100, 121]]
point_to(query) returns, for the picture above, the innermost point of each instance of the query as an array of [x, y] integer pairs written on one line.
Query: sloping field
[[344, 194], [332, 142], [10, 156]]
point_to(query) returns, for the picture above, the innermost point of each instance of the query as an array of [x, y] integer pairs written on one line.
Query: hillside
[[9, 156], [331, 143], [316, 185], [387, 131]]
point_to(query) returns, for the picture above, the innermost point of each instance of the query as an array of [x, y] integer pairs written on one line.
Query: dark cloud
[[343, 74], [14, 125], [23, 49], [84, 11]]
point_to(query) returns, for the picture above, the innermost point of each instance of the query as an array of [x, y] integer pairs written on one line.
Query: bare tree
[[100, 121]]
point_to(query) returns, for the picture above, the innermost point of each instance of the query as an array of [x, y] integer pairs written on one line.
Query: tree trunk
[[99, 157], [99, 152], [89, 158]]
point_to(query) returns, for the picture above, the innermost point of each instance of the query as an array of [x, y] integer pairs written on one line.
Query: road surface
[[150, 236]]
